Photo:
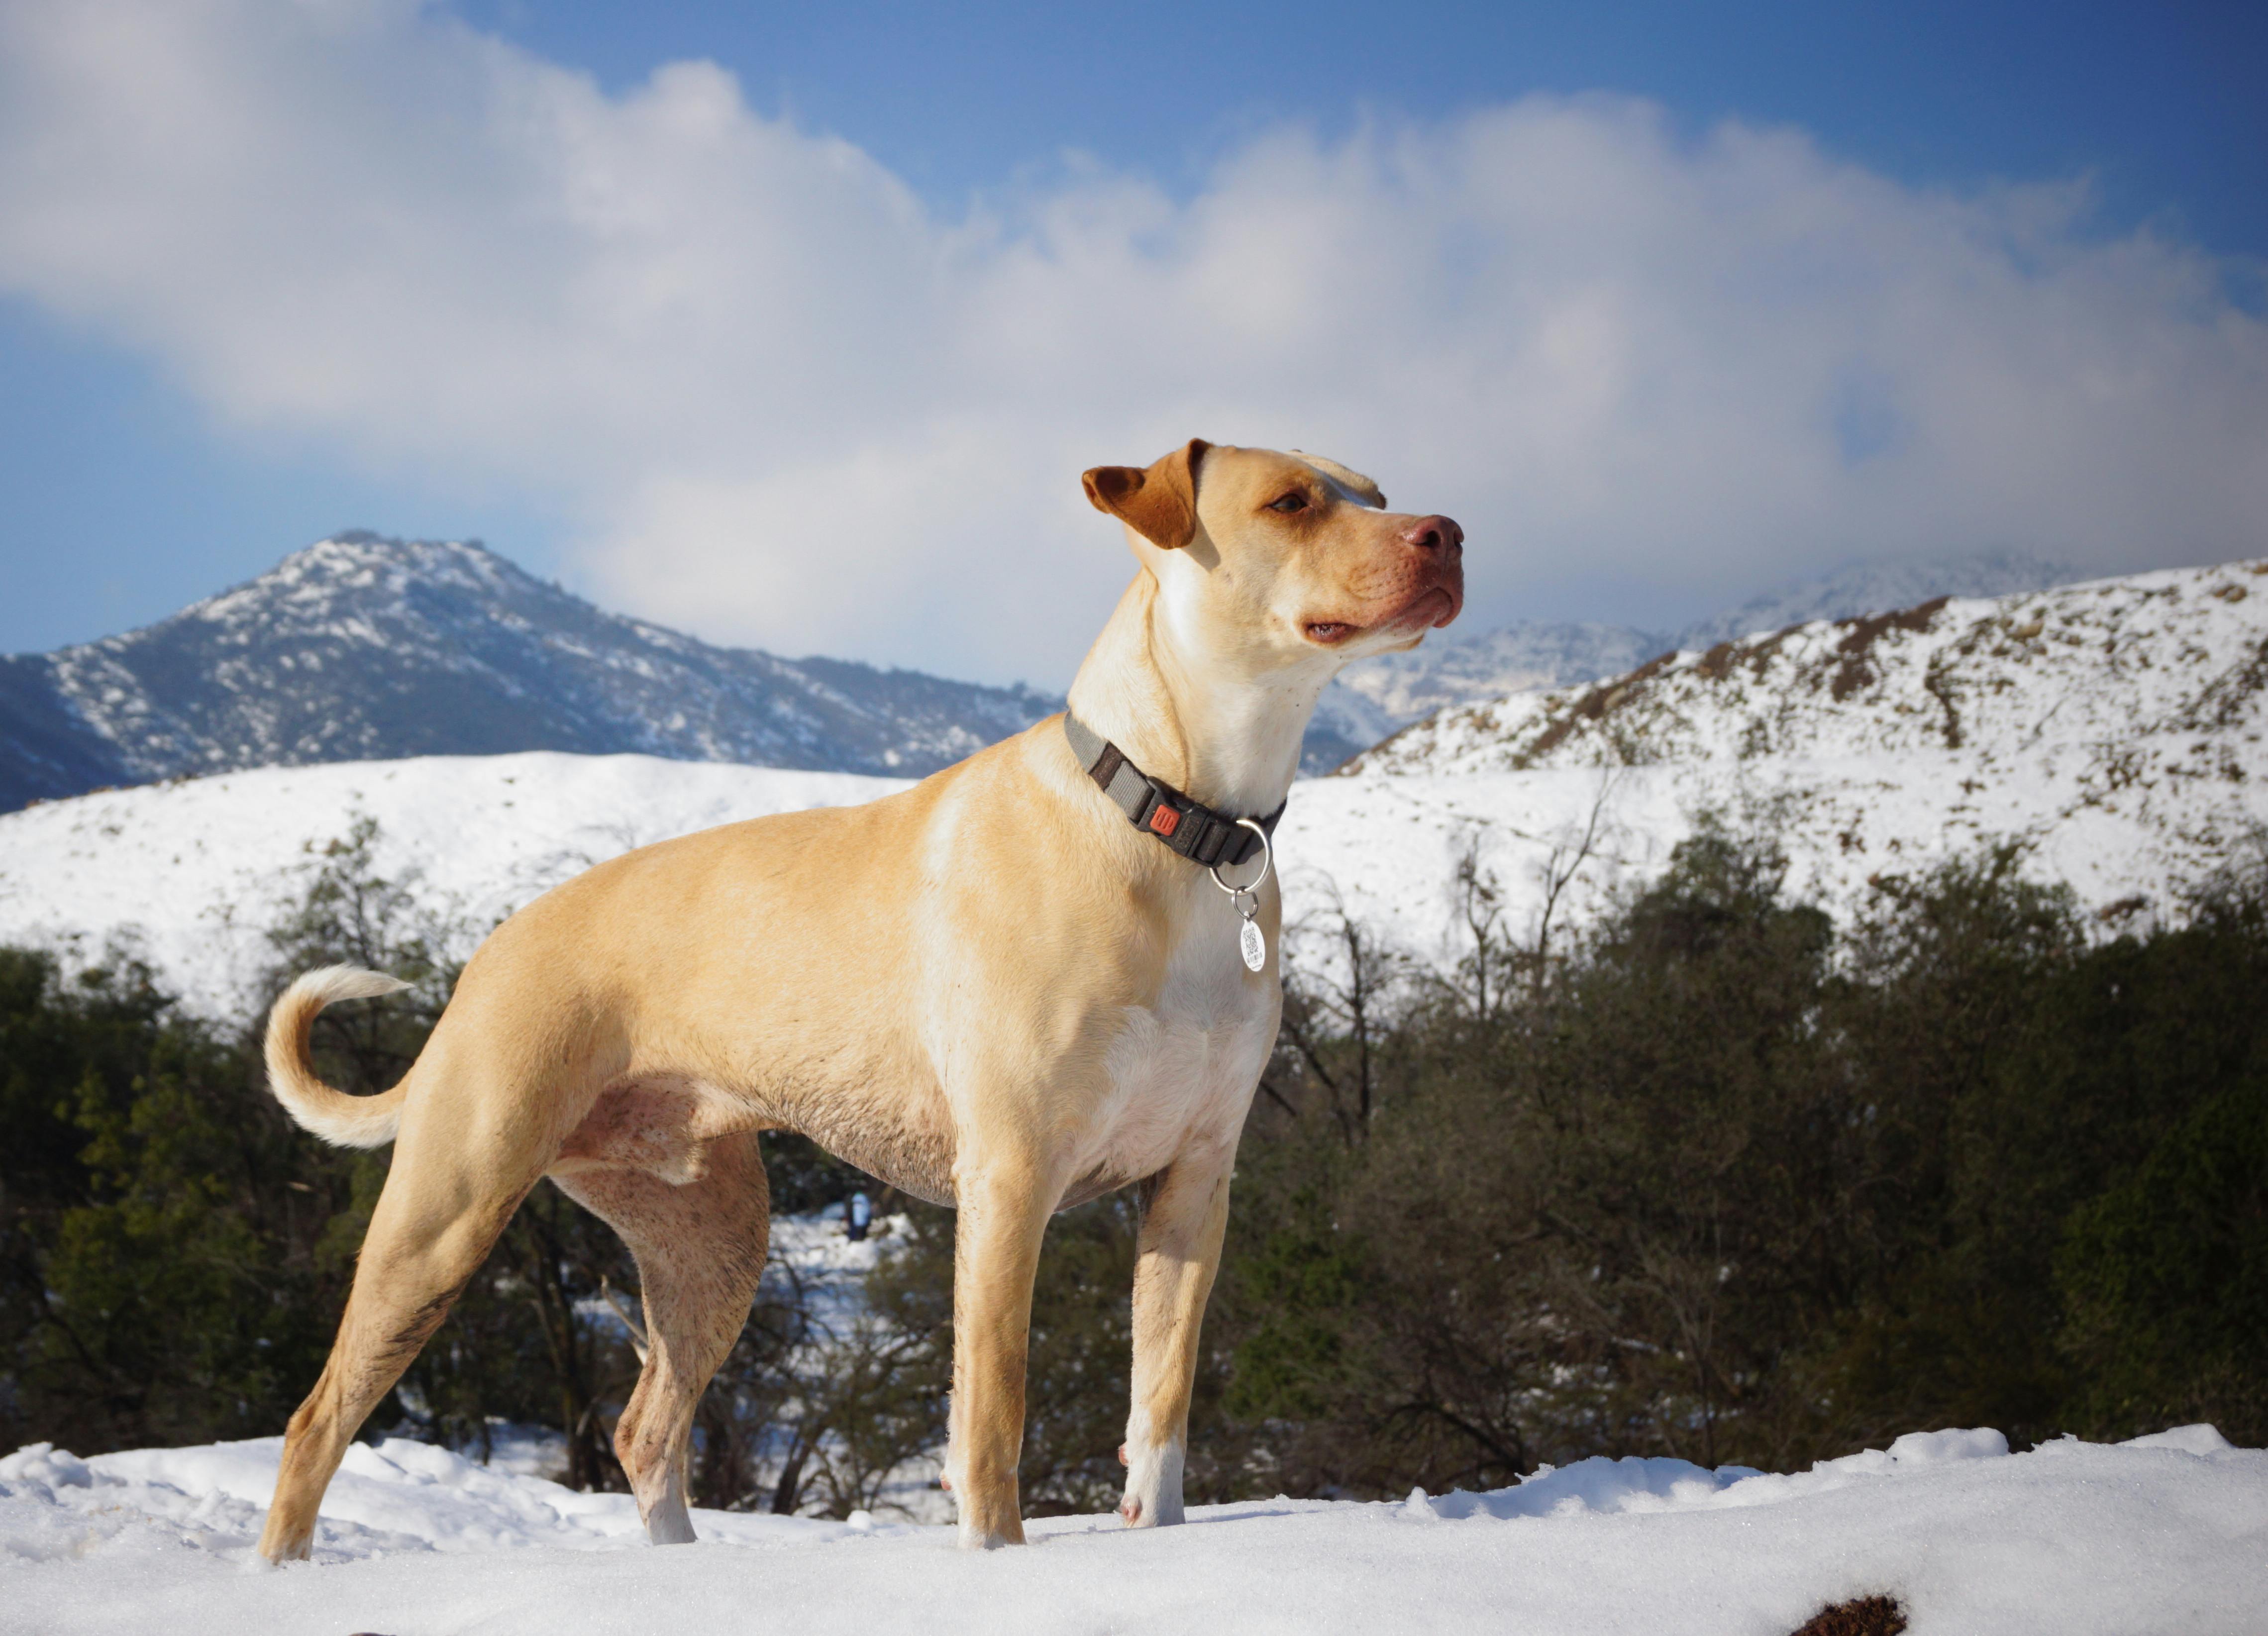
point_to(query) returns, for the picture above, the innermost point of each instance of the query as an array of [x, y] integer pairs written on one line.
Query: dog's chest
[[1183, 1068]]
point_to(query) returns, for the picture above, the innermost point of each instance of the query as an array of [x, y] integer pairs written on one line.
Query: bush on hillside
[[1709, 1180]]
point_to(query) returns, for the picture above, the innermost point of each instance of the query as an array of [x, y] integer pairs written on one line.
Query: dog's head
[[1282, 557]]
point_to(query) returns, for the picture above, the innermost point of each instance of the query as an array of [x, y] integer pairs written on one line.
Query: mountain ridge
[[364, 646], [2110, 736], [1376, 698], [2175, 660]]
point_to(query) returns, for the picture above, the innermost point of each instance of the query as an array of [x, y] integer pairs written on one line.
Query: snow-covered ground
[[195, 870], [2116, 730], [2166, 1534], [193, 874]]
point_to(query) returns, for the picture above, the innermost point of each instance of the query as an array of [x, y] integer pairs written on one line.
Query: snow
[[2177, 653], [195, 870], [1373, 697], [361, 645], [2114, 730], [2164, 1534]]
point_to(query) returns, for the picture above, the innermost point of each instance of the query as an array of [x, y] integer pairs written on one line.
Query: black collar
[[1185, 825]]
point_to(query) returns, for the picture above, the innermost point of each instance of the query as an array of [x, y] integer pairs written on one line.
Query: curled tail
[[341, 1120]]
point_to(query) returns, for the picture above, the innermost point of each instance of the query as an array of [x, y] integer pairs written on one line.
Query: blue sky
[[153, 449], [2162, 104]]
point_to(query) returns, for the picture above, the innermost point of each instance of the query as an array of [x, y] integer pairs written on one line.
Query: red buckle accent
[[1164, 819]]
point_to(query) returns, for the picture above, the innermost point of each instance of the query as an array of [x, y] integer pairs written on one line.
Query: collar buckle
[[1185, 825]]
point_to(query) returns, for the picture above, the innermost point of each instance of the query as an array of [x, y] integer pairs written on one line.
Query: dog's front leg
[[1004, 1215], [1181, 1234]]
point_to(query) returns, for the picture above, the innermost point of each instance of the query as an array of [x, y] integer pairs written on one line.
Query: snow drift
[[2167, 1533]]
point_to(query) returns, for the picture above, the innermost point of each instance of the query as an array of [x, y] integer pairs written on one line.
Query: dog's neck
[[1211, 724]]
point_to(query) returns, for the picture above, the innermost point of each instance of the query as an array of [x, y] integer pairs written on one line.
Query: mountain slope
[[1374, 697], [2115, 736], [2116, 733], [2177, 658], [362, 647], [1378, 696]]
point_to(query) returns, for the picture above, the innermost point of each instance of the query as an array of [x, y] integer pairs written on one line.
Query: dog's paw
[[973, 1537], [1153, 1486]]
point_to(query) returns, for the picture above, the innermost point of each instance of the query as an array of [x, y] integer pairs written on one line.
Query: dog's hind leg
[[700, 1249], [436, 1220]]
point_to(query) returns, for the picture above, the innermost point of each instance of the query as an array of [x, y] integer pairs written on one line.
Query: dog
[[1044, 974]]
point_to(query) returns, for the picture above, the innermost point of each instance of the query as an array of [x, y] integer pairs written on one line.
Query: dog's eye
[[1292, 502]]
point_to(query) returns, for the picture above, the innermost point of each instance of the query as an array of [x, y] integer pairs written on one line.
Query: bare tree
[[1340, 1002]]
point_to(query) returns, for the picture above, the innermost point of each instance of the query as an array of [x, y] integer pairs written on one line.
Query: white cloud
[[787, 404]]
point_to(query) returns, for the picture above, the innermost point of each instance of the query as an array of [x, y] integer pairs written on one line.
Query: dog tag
[[1254, 945]]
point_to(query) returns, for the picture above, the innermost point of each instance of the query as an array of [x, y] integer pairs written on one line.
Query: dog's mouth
[[1438, 597], [1434, 608], [1429, 611]]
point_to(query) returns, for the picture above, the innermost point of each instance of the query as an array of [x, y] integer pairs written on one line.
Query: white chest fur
[[1183, 1070]]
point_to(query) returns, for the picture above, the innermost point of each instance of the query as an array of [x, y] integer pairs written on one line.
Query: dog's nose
[[1434, 533]]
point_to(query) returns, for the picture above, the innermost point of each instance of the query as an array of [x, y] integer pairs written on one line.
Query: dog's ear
[[1160, 502]]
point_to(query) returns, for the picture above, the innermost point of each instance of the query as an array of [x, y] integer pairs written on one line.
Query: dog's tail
[[341, 1120]]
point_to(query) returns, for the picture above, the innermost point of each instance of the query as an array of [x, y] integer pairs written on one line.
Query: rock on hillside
[[362, 647]]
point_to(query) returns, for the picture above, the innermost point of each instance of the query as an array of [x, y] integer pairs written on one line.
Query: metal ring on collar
[[1267, 862]]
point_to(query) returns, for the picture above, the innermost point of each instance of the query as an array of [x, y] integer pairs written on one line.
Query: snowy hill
[[1378, 696], [2164, 1534], [2113, 730], [2172, 665], [1374, 697], [198, 869], [361, 647]]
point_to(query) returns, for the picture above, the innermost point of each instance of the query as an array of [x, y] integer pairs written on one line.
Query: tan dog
[[990, 990]]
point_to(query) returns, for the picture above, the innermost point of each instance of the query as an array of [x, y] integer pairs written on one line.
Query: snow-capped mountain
[[362, 646], [1380, 697], [2111, 732]]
